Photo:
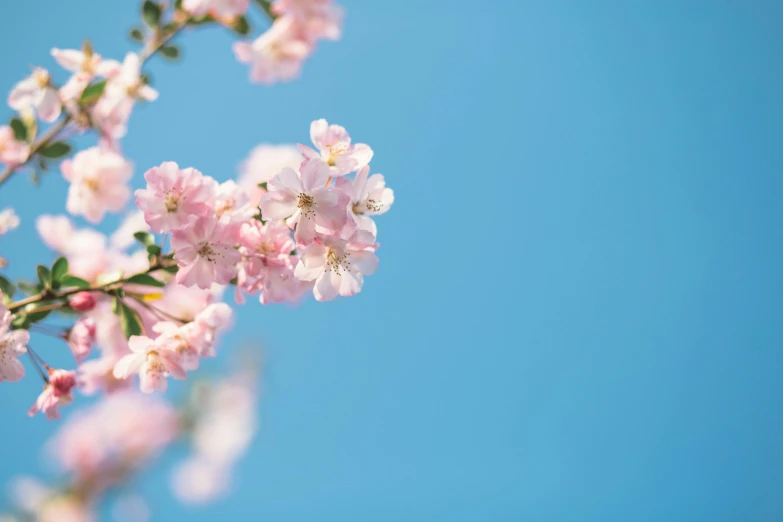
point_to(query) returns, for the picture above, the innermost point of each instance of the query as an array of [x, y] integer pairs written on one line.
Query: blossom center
[[41, 78], [92, 184], [337, 261], [336, 150], [306, 204], [206, 251], [171, 201]]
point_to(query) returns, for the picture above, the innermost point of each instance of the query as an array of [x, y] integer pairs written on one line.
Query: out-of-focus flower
[[315, 19], [132, 223], [277, 55], [221, 9], [12, 152], [8, 221], [231, 204], [98, 180], [36, 92], [82, 336]]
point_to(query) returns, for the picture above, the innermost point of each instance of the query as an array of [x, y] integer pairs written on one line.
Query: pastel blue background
[[578, 314]]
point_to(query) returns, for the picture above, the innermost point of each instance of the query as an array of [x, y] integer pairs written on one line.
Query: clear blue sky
[[579, 309]]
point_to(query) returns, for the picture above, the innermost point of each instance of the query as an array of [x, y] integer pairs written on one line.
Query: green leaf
[[44, 276], [241, 26], [130, 321], [146, 280], [136, 34], [92, 92], [145, 238], [19, 128], [7, 287], [59, 269], [263, 185], [153, 250], [233, 281], [20, 322], [115, 305], [170, 51], [171, 269], [267, 7], [201, 20], [70, 280], [150, 13], [58, 149]]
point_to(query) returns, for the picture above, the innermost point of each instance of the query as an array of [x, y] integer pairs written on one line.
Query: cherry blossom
[[310, 204], [12, 152], [174, 197], [222, 9], [8, 221], [183, 340], [335, 148], [152, 362], [205, 253], [263, 163], [82, 336], [36, 92], [98, 180], [85, 65], [85, 249], [276, 55], [127, 81], [267, 264], [338, 267], [316, 18], [58, 392], [370, 197], [231, 204], [13, 343]]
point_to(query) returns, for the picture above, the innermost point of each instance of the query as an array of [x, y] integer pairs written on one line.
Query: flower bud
[[82, 302]]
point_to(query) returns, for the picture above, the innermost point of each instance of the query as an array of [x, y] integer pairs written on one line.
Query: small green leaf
[[241, 26], [145, 279], [170, 51], [44, 275], [267, 7], [115, 305], [153, 250], [233, 281], [20, 322], [145, 238], [263, 185], [130, 321], [59, 269], [136, 34], [19, 128], [150, 12], [171, 269], [201, 20], [70, 280], [92, 92], [58, 149], [28, 287], [7, 288]]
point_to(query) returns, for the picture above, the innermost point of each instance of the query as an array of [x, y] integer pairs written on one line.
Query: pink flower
[[338, 267], [199, 480], [57, 393], [82, 335], [211, 320], [82, 301], [307, 199], [8, 221], [152, 362], [183, 340], [174, 197], [223, 9], [132, 222], [267, 261], [12, 152], [97, 375], [276, 55], [316, 18], [110, 115], [263, 163], [231, 204], [36, 92], [205, 253], [335, 148], [85, 65], [127, 81], [98, 180], [13, 343], [370, 197]]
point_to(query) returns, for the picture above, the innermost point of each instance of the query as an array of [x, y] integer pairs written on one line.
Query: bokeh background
[[578, 314]]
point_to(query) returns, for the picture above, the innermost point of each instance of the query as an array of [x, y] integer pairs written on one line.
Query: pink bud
[[62, 381], [82, 302]]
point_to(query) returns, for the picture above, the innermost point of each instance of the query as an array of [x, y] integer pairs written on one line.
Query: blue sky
[[578, 310]]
